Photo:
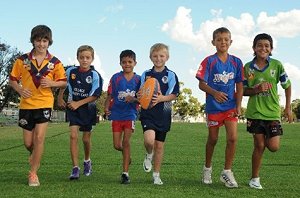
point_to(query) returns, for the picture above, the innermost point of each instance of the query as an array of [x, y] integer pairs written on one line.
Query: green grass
[[181, 169]]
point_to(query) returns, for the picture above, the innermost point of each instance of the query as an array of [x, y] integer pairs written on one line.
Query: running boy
[[156, 122], [220, 76], [262, 75], [121, 107], [84, 86], [33, 76]]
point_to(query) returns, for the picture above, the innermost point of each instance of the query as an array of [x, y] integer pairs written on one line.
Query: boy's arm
[[239, 97], [287, 110], [60, 98], [265, 86], [218, 95], [106, 105], [23, 92], [46, 82], [73, 105]]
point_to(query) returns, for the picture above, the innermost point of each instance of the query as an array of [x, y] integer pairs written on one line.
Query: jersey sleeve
[[283, 77], [16, 71], [203, 71]]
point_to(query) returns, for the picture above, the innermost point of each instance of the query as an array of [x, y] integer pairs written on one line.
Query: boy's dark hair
[[220, 30], [41, 32], [263, 36], [128, 53]]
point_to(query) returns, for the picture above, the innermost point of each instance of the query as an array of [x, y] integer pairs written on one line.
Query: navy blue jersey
[[160, 114], [119, 87]]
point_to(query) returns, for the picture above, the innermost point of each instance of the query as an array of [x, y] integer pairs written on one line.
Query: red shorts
[[121, 125], [218, 119]]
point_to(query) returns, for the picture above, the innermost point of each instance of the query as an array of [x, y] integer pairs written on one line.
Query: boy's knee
[[273, 148], [118, 147]]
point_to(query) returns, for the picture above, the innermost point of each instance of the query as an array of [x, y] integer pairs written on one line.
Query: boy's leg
[[117, 140], [74, 144], [231, 139], [259, 147], [158, 155], [28, 139], [149, 137], [126, 149], [86, 139], [213, 133], [38, 149], [273, 143]]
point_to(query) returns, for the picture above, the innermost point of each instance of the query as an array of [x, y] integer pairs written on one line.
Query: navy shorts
[[159, 134], [28, 118], [270, 128], [84, 117]]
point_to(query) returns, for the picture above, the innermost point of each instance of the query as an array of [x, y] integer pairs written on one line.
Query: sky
[[186, 26]]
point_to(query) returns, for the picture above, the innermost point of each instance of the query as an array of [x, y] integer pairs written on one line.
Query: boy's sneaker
[[87, 171], [228, 179], [206, 178], [157, 180], [75, 173], [125, 179], [33, 179], [147, 165], [255, 183]]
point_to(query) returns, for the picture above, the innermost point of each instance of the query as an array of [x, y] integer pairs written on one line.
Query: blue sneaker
[[75, 173], [87, 168]]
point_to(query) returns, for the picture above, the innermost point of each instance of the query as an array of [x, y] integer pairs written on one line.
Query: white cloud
[[102, 19], [115, 8], [243, 29]]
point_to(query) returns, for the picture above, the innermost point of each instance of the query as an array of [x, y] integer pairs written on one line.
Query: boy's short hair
[[263, 36], [159, 46], [128, 53], [41, 32], [220, 30], [85, 48]]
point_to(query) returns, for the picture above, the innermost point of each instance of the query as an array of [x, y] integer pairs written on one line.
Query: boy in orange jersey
[[33, 76]]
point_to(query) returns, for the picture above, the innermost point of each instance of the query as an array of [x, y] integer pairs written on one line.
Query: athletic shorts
[[159, 135], [218, 119], [84, 117], [28, 118], [270, 128], [121, 125]]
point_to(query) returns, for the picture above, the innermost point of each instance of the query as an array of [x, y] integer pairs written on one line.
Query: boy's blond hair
[[85, 48], [159, 46]]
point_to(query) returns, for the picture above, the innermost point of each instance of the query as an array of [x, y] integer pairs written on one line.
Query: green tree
[[8, 55], [296, 108], [186, 105]]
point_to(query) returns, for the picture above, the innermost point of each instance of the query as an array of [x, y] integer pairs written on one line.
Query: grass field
[[181, 170]]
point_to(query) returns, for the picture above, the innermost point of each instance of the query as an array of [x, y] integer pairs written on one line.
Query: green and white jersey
[[265, 105]]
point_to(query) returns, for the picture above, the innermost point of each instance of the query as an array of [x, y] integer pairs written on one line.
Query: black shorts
[[28, 118], [84, 117], [159, 134], [269, 128]]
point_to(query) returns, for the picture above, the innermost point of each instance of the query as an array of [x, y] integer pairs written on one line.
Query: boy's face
[[159, 57], [41, 45], [262, 49], [127, 64], [85, 59], [222, 42]]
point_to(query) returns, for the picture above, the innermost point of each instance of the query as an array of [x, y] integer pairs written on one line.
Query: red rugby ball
[[149, 88]]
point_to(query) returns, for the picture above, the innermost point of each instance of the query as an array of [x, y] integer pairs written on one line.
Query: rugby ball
[[149, 88]]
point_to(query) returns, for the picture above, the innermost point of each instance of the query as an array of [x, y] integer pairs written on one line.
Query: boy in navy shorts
[[38, 71], [156, 122], [121, 107], [221, 78], [84, 86]]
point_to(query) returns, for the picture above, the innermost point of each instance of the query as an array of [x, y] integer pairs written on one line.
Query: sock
[[150, 155], [205, 168], [155, 174], [87, 160], [126, 173], [227, 170]]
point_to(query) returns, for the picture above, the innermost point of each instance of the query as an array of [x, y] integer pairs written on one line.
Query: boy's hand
[[157, 98], [46, 82], [25, 93], [107, 112], [73, 105], [288, 115], [263, 87], [220, 96], [130, 99], [61, 103]]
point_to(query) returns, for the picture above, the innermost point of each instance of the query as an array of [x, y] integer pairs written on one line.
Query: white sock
[[87, 160], [150, 155], [155, 174], [126, 173]]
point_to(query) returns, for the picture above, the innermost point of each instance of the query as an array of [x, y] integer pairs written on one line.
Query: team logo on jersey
[[164, 79], [73, 76], [224, 77], [89, 79], [251, 74], [50, 66], [272, 72]]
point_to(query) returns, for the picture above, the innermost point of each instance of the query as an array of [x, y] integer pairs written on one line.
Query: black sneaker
[[125, 179]]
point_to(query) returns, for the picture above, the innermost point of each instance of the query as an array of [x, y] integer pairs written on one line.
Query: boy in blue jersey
[[84, 86], [262, 75], [156, 122], [121, 107], [220, 76]]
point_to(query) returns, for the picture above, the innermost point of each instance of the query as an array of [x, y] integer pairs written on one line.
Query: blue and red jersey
[[221, 76], [119, 87]]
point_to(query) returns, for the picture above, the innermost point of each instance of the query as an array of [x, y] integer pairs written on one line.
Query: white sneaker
[[228, 179], [206, 178], [255, 183], [147, 165], [157, 180]]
